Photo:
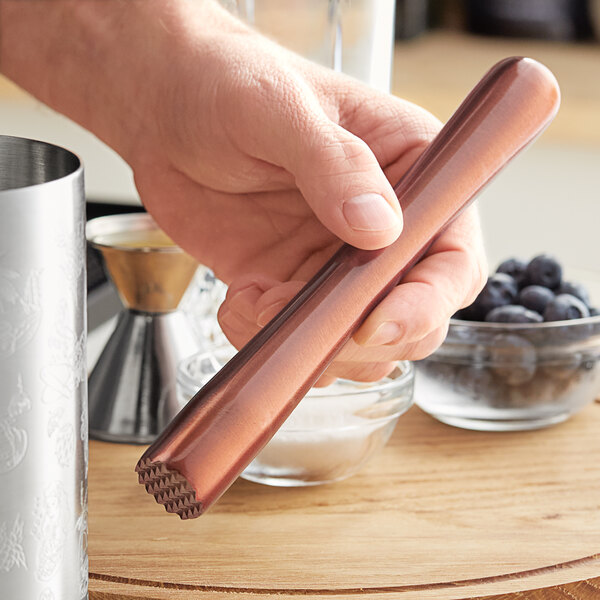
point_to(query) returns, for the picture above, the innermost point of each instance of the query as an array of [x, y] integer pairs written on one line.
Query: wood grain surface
[[440, 513]]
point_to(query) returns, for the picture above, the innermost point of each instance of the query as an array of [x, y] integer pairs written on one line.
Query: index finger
[[449, 277]]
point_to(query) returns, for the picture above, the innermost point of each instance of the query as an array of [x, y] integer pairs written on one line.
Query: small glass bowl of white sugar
[[330, 435]]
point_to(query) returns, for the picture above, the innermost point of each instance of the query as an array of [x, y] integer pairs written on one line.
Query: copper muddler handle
[[224, 426]]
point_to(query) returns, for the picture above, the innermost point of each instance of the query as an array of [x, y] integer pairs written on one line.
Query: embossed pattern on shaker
[[73, 256], [62, 377], [12, 554], [43, 453], [50, 525], [47, 594], [20, 308], [13, 438]]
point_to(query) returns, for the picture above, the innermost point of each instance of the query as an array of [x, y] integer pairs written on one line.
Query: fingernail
[[369, 212], [268, 313], [244, 299], [230, 320], [387, 333], [244, 290]]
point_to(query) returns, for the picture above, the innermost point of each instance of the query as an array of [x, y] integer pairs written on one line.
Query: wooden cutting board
[[439, 514]]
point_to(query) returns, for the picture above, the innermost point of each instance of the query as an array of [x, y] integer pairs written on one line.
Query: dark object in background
[[412, 18], [594, 10], [561, 20], [95, 271]]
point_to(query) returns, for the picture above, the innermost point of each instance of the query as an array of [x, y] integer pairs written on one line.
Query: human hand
[[251, 173], [254, 160]]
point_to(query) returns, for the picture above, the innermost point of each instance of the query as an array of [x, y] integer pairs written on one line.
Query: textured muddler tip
[[226, 424], [169, 488]]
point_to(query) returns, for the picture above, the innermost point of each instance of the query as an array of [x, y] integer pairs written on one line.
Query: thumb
[[336, 171], [346, 188]]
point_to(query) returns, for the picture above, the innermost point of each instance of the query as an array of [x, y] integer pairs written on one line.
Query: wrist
[[102, 64]]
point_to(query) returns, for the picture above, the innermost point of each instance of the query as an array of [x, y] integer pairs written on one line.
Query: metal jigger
[[132, 391]]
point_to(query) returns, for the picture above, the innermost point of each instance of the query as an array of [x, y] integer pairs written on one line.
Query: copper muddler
[[224, 426]]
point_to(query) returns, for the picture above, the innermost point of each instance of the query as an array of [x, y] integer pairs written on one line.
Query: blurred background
[[549, 197]]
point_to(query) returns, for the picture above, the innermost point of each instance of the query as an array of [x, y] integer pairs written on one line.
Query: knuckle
[[343, 156], [429, 320]]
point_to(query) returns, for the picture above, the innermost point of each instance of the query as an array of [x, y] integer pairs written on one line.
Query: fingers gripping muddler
[[224, 426]]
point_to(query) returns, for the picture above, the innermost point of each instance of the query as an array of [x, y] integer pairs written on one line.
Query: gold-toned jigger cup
[[132, 391]]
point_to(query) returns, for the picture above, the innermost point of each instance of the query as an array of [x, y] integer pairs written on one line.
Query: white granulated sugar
[[322, 434]]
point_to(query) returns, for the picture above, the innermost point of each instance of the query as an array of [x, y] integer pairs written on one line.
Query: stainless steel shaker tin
[[43, 403]]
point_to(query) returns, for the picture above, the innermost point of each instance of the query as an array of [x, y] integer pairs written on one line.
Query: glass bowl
[[330, 435], [508, 377]]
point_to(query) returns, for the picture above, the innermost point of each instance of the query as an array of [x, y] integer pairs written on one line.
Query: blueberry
[[535, 297], [563, 366], [466, 314], [575, 289], [537, 391], [565, 307], [544, 270], [513, 313], [477, 382], [513, 358], [499, 290], [515, 267], [589, 363]]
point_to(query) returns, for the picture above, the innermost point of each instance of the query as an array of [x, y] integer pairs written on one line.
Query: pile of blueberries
[[520, 367], [529, 292]]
